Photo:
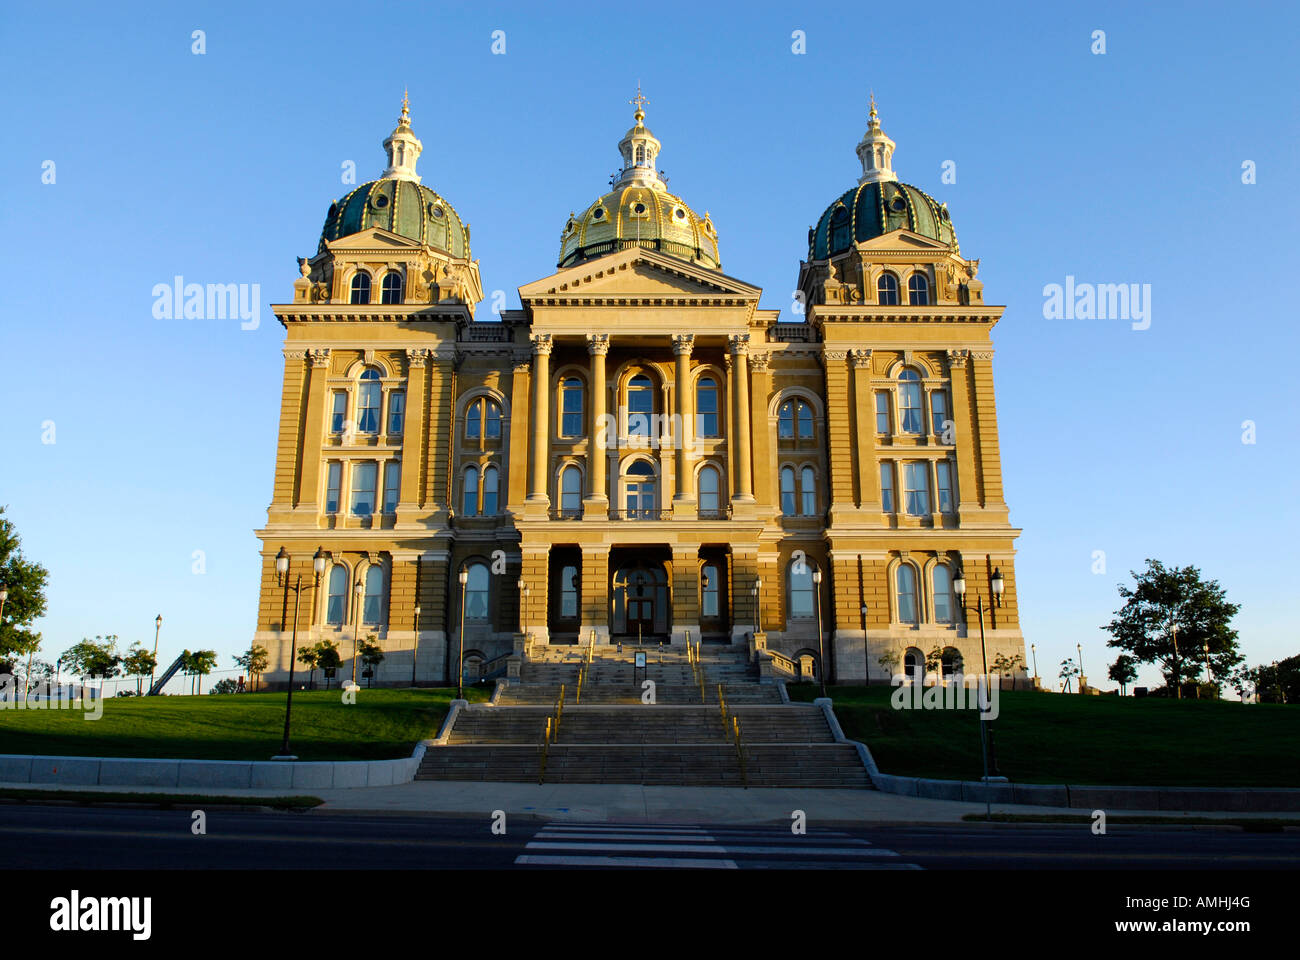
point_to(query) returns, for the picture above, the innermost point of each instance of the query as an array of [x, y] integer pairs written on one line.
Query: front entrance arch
[[639, 602]]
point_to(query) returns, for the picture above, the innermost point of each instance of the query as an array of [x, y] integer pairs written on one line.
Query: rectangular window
[[939, 414], [333, 479], [364, 479], [709, 606], [571, 397], [396, 412], [887, 488], [910, 407], [706, 415], [392, 485], [916, 488], [340, 411], [568, 593], [882, 412], [944, 469]]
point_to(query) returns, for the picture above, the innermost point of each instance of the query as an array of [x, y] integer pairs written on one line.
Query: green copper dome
[[872, 210], [402, 207]]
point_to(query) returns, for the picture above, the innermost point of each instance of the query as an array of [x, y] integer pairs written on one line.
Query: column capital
[[758, 362], [738, 344], [683, 344], [957, 358], [541, 344], [318, 356], [417, 356], [598, 344], [861, 359]]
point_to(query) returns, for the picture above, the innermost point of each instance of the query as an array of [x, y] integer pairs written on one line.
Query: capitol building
[[641, 452]]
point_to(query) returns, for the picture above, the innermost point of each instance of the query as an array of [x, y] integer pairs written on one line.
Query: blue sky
[[1117, 168]]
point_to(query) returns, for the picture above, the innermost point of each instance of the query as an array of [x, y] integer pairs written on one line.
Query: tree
[[1278, 682], [309, 657], [255, 660], [139, 662], [889, 661], [372, 656], [1004, 664], [327, 656], [224, 685], [93, 658], [201, 664], [32, 672], [934, 661], [1169, 617], [25, 582], [1069, 670], [1123, 671]]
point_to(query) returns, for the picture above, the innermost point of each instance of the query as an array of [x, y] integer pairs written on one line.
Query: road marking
[[720, 848], [580, 861]]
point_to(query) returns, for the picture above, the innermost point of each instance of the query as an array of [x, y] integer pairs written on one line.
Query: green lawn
[[383, 724], [1057, 738]]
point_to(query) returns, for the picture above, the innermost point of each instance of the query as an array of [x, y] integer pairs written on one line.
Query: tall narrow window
[[570, 490], [916, 488], [939, 415], [709, 491], [788, 506], [493, 420], [785, 421], [706, 408], [360, 287], [918, 290], [640, 406], [909, 401], [571, 407], [642, 491], [474, 420], [882, 412], [339, 411], [906, 581], [476, 592], [887, 290], [396, 412], [391, 290], [944, 471], [392, 485], [887, 488], [333, 481], [369, 394], [373, 601], [337, 597], [490, 485], [805, 420], [470, 500], [801, 589], [569, 593], [709, 591], [942, 594], [365, 477], [808, 491]]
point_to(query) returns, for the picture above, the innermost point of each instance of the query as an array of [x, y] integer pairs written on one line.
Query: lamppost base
[[349, 687], [284, 756]]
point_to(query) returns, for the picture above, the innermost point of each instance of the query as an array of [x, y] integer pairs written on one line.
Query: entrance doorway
[[640, 602]]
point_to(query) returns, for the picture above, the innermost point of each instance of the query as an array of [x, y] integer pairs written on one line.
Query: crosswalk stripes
[[694, 847]]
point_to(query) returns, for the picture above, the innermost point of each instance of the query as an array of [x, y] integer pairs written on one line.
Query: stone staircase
[[611, 736]]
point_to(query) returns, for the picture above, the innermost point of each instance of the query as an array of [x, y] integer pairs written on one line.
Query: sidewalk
[[614, 802]]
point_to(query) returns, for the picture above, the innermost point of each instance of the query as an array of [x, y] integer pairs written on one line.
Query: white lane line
[[594, 828], [794, 843], [720, 848], [825, 865], [687, 837], [574, 861]]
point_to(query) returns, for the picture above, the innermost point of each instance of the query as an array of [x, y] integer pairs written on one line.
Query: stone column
[[865, 414], [963, 427], [686, 593], [739, 347], [595, 594], [541, 414], [412, 435], [760, 433], [520, 435], [313, 432], [599, 438], [684, 499]]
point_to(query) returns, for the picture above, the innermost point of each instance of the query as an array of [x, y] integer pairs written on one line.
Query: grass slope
[[1055, 738], [383, 724]]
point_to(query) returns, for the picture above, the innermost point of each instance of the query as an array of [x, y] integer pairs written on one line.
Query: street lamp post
[[1209, 678], [415, 646], [1033, 650], [1178, 675], [358, 591], [821, 649], [1079, 648], [758, 604], [281, 572], [866, 650], [463, 577], [4, 595], [523, 597], [997, 585], [157, 628]]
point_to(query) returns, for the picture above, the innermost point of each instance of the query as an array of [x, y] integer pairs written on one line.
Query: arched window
[[914, 665], [905, 580], [805, 421], [802, 603], [640, 154], [790, 413], [569, 593], [490, 485], [808, 492], [887, 290], [470, 499], [640, 406], [939, 414], [492, 427], [374, 595], [909, 401], [369, 396], [710, 486], [642, 495], [839, 230], [482, 419], [918, 290], [476, 592], [709, 591], [336, 602], [474, 420], [706, 408], [391, 289], [943, 605], [571, 407], [785, 421], [360, 287], [570, 490], [789, 503]]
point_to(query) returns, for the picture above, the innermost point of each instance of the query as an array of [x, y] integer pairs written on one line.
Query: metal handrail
[[740, 753], [546, 747], [559, 710], [722, 705], [577, 696]]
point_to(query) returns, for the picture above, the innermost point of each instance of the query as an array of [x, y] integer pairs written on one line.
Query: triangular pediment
[[638, 274], [373, 238], [903, 240]]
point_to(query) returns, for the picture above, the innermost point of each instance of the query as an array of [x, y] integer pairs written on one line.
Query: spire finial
[[402, 147], [876, 150], [639, 102], [874, 117], [406, 106]]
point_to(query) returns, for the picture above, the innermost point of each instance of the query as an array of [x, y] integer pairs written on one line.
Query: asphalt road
[[74, 838]]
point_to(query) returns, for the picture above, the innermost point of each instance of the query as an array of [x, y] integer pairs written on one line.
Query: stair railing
[[722, 705], [577, 696], [559, 710], [545, 750], [740, 752]]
